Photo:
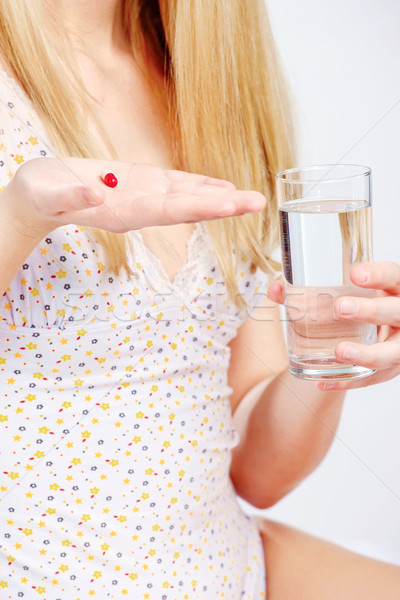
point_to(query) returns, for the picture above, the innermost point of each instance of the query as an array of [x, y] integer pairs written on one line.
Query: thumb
[[92, 196], [78, 197], [275, 290]]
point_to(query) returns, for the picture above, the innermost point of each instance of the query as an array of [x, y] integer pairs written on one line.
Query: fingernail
[[348, 307], [251, 210], [350, 353], [274, 287], [327, 386], [362, 276], [227, 209], [90, 198]]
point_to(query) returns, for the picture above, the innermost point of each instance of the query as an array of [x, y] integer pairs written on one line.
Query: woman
[[117, 399]]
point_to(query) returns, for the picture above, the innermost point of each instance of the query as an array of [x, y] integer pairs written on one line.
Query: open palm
[[70, 190]]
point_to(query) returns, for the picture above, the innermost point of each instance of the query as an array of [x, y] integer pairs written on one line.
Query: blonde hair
[[222, 92]]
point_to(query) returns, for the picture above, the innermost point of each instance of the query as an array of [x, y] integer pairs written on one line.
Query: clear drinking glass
[[325, 226]]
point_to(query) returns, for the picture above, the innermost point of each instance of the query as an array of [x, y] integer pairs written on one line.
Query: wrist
[[21, 223]]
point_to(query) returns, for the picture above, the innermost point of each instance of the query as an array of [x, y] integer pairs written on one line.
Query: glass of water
[[325, 227]]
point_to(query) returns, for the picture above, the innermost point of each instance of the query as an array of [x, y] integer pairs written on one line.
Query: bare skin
[[298, 566], [128, 112], [302, 567]]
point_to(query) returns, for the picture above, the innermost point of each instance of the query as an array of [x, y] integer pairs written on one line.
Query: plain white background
[[342, 61]]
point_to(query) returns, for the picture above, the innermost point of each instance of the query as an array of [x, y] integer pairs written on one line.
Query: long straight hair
[[222, 91]]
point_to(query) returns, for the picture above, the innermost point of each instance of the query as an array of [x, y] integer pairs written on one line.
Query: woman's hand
[[49, 192], [383, 310]]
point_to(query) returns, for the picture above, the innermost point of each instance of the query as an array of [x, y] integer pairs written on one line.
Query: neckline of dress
[[190, 258], [198, 231]]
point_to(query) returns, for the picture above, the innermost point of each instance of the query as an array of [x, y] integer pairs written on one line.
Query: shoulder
[[22, 136]]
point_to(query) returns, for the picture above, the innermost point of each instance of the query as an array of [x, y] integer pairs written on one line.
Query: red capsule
[[110, 180]]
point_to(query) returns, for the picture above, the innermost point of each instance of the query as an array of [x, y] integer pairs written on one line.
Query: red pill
[[110, 180]]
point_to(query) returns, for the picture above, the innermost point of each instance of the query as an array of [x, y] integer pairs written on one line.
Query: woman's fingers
[[275, 291], [379, 310], [379, 276], [178, 176], [353, 384], [198, 188], [205, 203], [125, 214], [375, 356], [151, 179]]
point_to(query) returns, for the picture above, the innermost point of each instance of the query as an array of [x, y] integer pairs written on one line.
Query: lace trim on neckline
[[198, 253], [198, 246]]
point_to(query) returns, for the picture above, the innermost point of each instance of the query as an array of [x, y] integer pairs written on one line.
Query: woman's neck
[[95, 25]]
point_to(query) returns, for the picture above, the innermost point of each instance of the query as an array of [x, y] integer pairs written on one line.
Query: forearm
[[285, 436]]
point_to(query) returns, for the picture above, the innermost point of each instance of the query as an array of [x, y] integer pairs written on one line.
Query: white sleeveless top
[[115, 419]]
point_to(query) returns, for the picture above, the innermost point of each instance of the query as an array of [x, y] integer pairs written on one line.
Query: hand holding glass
[[325, 226]]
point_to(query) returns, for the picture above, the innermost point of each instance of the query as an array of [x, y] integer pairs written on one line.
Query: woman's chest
[[136, 125]]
